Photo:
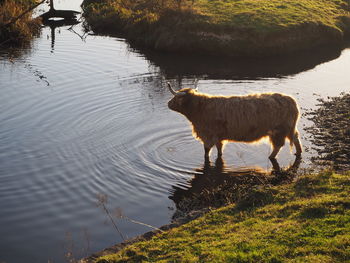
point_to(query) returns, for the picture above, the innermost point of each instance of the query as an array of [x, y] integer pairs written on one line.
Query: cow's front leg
[[207, 148], [219, 148]]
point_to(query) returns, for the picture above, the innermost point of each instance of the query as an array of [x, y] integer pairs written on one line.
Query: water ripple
[[103, 127]]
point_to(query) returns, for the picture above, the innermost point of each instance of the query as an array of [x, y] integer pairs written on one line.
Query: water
[[81, 117]]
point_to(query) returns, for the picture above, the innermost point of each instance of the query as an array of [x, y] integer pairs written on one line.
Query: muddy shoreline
[[330, 132]]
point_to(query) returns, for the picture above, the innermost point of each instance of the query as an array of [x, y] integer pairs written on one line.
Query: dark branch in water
[[102, 199], [4, 42], [122, 216], [82, 37]]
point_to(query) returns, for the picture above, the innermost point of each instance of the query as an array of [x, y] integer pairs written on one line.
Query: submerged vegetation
[[20, 31], [234, 27], [304, 221]]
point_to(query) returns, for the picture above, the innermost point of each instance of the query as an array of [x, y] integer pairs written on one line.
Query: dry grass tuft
[[21, 31]]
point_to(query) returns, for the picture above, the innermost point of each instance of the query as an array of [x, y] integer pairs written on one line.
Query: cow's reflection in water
[[217, 185]]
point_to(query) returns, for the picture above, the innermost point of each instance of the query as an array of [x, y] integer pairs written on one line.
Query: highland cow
[[216, 119]]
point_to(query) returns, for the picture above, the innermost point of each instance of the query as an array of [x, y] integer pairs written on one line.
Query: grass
[[304, 221], [234, 27], [23, 30], [273, 14]]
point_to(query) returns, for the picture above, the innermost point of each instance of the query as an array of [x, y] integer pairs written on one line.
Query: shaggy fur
[[216, 119]]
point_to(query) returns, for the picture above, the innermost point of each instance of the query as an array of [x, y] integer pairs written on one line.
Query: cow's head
[[181, 102]]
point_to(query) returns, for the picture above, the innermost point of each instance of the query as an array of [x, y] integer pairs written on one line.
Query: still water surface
[[79, 118]]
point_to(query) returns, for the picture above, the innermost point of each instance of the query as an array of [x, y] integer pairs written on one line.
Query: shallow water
[[87, 116]]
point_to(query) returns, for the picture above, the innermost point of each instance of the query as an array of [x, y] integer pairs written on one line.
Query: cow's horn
[[171, 89]]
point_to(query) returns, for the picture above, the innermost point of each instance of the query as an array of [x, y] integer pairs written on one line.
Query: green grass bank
[[21, 31], [304, 221], [223, 27]]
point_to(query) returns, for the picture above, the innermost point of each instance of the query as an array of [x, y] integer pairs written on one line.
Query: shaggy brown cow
[[216, 119]]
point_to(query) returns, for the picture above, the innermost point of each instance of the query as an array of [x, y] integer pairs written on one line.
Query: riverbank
[[17, 32], [253, 216], [234, 28], [304, 221]]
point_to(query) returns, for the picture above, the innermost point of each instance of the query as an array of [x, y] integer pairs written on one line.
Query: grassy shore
[[231, 27], [279, 217], [304, 221], [21, 31]]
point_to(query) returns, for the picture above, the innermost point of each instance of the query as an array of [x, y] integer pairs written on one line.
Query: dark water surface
[[83, 118]]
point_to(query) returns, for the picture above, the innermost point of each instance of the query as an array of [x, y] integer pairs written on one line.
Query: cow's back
[[246, 118]]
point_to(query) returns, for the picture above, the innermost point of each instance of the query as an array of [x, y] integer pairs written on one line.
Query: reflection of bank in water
[[330, 132], [53, 24], [213, 67], [58, 18], [217, 185], [67, 15]]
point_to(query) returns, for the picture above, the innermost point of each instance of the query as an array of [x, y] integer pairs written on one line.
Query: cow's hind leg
[[297, 145], [277, 141], [206, 152]]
